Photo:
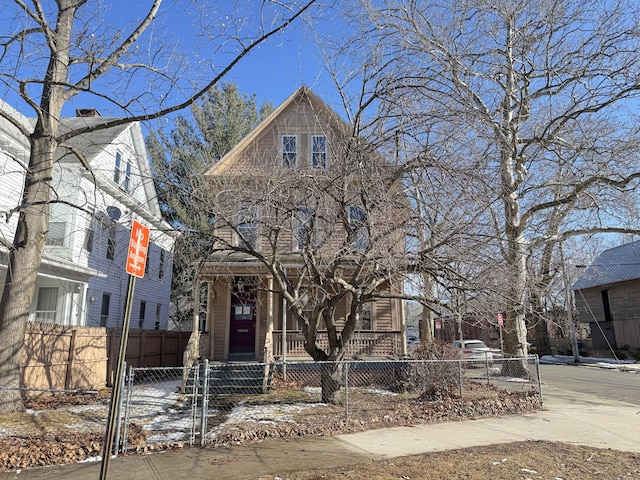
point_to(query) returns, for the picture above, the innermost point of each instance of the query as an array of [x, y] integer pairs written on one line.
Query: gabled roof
[[301, 94], [91, 143], [618, 264]]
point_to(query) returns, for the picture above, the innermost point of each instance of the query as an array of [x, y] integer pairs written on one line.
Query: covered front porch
[[243, 317]]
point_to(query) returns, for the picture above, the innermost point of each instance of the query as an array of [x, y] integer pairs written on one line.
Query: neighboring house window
[[358, 225], [127, 177], [158, 316], [161, 268], [247, 228], [104, 309], [47, 304], [606, 306], [364, 320], [319, 151], [57, 225], [88, 238], [289, 151], [143, 311], [111, 243], [117, 171], [304, 232]]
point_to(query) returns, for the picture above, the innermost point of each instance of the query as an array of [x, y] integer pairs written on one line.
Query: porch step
[[236, 379]]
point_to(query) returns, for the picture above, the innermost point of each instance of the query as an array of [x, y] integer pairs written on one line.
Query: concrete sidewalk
[[577, 419]]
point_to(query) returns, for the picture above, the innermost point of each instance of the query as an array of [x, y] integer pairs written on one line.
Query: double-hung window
[[304, 228], [47, 304], [359, 228], [247, 228], [161, 266], [57, 224], [289, 151], [142, 313], [117, 171], [319, 151], [127, 177], [111, 243], [364, 318]]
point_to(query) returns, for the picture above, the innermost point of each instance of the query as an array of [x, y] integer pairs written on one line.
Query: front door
[[242, 335]]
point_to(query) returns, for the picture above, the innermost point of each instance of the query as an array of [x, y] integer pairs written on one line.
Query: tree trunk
[[331, 378], [24, 261]]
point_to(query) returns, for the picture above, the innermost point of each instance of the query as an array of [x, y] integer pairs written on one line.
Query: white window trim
[[256, 221], [361, 239], [299, 227], [296, 152], [326, 152], [44, 316], [117, 171]]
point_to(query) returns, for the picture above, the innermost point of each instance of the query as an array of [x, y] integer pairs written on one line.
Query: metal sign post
[[136, 260]]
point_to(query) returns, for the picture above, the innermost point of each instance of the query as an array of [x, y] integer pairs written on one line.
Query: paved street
[[603, 383]]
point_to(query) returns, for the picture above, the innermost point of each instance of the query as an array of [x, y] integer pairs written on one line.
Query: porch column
[[268, 341]]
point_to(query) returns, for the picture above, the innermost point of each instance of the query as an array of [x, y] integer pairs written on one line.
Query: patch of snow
[[511, 379], [610, 363], [91, 459], [378, 391], [526, 470]]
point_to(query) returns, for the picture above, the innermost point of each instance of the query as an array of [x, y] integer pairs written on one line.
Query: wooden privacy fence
[[83, 358]]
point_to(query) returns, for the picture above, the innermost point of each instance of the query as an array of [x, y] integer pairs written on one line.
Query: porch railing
[[361, 343]]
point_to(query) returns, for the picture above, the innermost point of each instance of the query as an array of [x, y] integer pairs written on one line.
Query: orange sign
[[138, 246]]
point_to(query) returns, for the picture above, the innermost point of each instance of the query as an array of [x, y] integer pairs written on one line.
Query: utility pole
[[569, 307]]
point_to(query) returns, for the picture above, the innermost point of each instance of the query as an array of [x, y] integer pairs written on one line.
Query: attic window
[[289, 151], [319, 151]]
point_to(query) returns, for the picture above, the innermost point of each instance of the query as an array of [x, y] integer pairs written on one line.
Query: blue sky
[[272, 71]]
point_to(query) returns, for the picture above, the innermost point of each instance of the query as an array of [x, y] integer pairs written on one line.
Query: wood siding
[[624, 307]]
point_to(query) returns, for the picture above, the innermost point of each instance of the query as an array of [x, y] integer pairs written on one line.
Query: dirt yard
[[512, 461]]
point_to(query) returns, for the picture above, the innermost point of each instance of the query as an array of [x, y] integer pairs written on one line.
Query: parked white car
[[473, 350]]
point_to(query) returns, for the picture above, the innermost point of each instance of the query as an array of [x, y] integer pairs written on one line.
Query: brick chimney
[[87, 112]]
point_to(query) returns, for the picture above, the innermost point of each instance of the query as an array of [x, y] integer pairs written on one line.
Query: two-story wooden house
[[82, 280], [300, 206]]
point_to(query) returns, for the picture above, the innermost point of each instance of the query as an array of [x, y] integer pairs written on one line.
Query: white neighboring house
[[82, 280]]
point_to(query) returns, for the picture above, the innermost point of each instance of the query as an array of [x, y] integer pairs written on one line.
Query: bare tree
[[532, 89], [64, 50]]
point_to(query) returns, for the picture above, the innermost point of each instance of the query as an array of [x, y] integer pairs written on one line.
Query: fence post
[[205, 402], [486, 362], [346, 392], [71, 357], [116, 440], [127, 409], [537, 360], [194, 401]]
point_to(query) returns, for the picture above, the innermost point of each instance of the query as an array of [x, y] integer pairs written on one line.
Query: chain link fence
[[229, 403], [215, 403]]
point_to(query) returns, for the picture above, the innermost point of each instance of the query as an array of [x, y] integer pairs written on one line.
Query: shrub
[[432, 372]]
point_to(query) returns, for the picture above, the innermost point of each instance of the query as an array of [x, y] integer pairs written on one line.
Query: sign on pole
[[500, 319], [138, 246]]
